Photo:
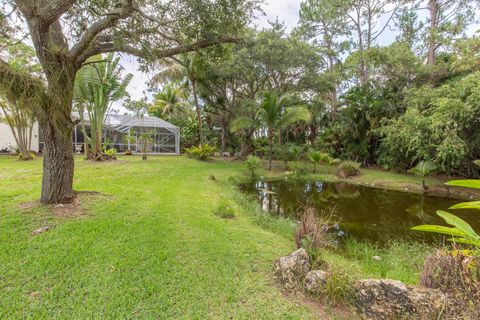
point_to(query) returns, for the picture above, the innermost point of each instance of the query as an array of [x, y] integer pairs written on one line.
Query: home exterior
[[121, 132], [7, 141]]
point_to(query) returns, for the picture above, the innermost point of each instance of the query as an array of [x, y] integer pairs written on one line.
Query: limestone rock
[[291, 270], [315, 281], [390, 299]]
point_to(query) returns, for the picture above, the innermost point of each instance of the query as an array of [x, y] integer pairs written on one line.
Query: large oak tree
[[65, 33]]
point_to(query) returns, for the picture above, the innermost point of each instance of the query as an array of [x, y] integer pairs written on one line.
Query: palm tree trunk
[[270, 151], [197, 108]]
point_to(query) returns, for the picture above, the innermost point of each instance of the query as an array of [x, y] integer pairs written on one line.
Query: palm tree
[[276, 112], [253, 163], [97, 85], [169, 103], [315, 157], [184, 69]]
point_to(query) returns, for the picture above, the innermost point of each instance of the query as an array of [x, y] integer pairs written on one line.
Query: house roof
[[124, 122]]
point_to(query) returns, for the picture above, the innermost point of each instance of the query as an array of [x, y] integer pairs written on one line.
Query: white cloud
[[286, 11]]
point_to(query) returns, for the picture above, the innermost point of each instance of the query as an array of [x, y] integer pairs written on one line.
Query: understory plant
[[253, 163], [423, 169], [201, 152], [328, 159], [315, 157], [348, 169]]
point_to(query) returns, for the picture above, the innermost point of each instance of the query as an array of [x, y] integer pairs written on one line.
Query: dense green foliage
[[202, 152]]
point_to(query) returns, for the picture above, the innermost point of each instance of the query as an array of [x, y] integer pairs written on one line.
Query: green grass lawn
[[149, 247]]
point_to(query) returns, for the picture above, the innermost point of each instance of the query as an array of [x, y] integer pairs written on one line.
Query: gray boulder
[[291, 270], [389, 299], [315, 282]]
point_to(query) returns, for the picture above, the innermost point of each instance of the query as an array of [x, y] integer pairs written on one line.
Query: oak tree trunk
[[58, 164]]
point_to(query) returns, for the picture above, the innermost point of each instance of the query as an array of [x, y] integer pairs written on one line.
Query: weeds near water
[[338, 288], [396, 260], [459, 275], [312, 232], [225, 209]]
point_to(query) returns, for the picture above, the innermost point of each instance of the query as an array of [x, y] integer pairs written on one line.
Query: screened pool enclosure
[[122, 132]]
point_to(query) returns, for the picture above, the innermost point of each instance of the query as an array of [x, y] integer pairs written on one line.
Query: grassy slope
[[151, 250]]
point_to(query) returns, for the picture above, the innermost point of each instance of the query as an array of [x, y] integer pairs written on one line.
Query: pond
[[365, 213]]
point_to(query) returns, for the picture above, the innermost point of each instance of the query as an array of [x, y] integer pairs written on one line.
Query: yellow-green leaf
[[474, 184], [467, 205]]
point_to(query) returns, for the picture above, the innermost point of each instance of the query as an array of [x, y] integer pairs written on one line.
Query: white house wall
[[7, 139]]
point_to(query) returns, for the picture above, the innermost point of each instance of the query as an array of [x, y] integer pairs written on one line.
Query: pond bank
[[376, 178]]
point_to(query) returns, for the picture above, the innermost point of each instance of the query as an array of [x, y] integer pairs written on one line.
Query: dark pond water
[[365, 213]]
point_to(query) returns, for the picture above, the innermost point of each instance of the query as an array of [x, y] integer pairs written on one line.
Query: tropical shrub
[[112, 153], [315, 157], [202, 152], [253, 163], [348, 169], [423, 169], [283, 153], [297, 153]]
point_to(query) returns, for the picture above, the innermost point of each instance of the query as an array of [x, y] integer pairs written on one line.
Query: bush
[[253, 163], [348, 169], [202, 152], [112, 153], [225, 209]]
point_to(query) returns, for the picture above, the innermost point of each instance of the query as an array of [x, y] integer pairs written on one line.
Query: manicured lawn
[[149, 245], [149, 248]]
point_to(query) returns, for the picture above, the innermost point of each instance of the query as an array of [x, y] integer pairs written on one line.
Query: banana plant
[[460, 231]]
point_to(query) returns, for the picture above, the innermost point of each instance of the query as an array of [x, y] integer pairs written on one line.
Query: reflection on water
[[363, 212]]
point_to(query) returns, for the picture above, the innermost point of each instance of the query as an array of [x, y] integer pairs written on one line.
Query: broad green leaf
[[465, 241], [440, 229], [467, 205], [474, 184], [459, 223]]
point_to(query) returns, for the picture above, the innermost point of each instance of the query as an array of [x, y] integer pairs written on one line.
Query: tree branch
[[98, 48], [91, 33]]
